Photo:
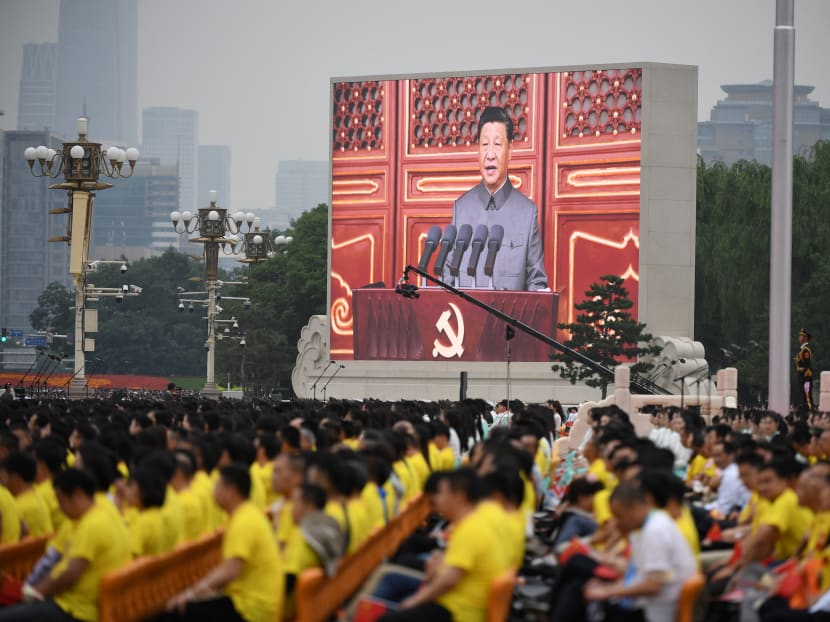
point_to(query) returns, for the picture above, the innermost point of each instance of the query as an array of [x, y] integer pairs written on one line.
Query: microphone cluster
[[459, 241]]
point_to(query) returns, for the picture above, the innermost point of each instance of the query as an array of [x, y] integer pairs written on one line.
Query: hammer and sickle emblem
[[456, 337]]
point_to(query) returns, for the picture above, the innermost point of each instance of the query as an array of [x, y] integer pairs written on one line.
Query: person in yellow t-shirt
[[376, 498], [441, 439], [191, 502], [17, 473], [267, 449], [784, 523], [316, 544], [249, 583], [149, 535], [50, 456], [504, 492], [12, 525], [288, 474], [457, 583], [94, 549]]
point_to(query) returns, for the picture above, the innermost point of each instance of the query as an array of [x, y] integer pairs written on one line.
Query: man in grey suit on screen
[[520, 262]]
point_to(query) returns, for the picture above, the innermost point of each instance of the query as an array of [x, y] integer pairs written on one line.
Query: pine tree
[[606, 332]]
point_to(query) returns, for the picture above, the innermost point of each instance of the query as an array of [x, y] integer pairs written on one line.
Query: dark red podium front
[[439, 326]]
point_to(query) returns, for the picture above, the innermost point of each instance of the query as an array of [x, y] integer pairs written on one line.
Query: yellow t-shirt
[[529, 502], [285, 528], [299, 556], [753, 511], [203, 485], [509, 528], [599, 472], [686, 525], [542, 461], [434, 453], [790, 519], [265, 473], [258, 494], [257, 593], [147, 535], [194, 514], [420, 467], [471, 549], [602, 506], [47, 493], [34, 512], [446, 460], [98, 539], [11, 517], [173, 517], [359, 522], [374, 505], [407, 478], [698, 466]]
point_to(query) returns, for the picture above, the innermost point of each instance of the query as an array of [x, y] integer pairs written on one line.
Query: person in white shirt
[[666, 438], [731, 493], [661, 561]]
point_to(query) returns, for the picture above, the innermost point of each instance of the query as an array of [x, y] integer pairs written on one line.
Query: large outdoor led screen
[[411, 154]]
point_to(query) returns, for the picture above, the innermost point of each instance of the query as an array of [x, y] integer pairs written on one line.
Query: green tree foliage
[[732, 262], [53, 312], [148, 335], [285, 291], [606, 332]]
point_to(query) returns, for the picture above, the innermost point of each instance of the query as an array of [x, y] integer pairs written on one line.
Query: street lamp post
[[81, 163], [212, 223]]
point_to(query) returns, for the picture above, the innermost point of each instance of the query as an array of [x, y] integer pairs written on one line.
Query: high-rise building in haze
[[171, 135], [740, 126], [215, 174], [98, 66], [28, 261], [301, 186], [133, 217], [36, 103]]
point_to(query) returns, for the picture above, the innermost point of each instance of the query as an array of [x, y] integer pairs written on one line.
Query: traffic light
[[4, 337]]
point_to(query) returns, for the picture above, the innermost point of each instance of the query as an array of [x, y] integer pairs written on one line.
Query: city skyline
[[268, 98]]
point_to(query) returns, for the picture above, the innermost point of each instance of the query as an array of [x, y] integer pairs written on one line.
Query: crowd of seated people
[[743, 498]]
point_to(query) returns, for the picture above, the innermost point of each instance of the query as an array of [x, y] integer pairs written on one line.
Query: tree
[[54, 310], [732, 263], [285, 291], [606, 332]]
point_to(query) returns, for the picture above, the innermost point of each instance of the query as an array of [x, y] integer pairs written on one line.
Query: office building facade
[[97, 69], [36, 102], [301, 185]]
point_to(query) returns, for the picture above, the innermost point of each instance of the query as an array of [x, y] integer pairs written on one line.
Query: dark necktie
[[491, 204]]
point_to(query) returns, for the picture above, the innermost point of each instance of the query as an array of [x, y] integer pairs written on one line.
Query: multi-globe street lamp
[[81, 163]]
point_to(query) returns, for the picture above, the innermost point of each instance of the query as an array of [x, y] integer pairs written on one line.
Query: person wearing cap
[[804, 368], [495, 201]]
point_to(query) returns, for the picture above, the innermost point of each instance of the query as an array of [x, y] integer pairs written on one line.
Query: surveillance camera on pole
[[119, 298], [123, 268], [181, 307]]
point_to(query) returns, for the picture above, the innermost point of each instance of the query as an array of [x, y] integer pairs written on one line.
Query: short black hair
[[185, 462], [151, 485], [465, 480], [496, 114], [22, 464], [314, 495], [507, 483], [99, 461], [52, 452], [237, 476], [582, 487], [629, 493], [72, 479], [750, 458]]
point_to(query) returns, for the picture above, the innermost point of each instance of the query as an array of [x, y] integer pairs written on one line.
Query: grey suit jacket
[[520, 262]]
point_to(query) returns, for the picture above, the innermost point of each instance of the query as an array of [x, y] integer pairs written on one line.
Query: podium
[[439, 326]]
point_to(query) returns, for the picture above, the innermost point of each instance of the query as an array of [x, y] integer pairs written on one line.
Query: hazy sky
[[258, 71]]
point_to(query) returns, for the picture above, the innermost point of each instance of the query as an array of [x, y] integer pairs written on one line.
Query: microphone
[[477, 245], [444, 248], [493, 247], [461, 244], [433, 237]]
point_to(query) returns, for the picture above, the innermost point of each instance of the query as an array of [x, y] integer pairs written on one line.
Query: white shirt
[[731, 492], [666, 438], [660, 547]]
